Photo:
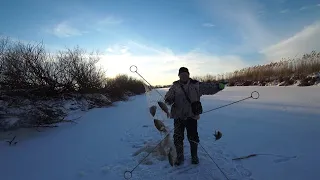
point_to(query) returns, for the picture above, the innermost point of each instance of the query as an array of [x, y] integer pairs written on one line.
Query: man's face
[[184, 76]]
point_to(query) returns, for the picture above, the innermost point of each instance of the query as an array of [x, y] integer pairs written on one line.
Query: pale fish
[[166, 141], [164, 107], [170, 156], [147, 88], [159, 125], [153, 110]]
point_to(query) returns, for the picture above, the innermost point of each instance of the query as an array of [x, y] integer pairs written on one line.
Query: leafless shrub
[[27, 69], [78, 72], [29, 72], [119, 86]]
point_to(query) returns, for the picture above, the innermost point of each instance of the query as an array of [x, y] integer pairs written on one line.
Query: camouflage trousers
[[191, 125]]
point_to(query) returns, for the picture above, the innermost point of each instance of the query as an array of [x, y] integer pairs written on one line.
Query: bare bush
[[119, 86], [28, 69], [29, 72], [77, 71]]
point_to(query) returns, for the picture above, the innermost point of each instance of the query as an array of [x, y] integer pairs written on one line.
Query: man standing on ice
[[184, 96]]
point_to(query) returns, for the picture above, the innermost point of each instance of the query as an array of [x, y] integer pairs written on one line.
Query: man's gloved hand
[[221, 86], [169, 101]]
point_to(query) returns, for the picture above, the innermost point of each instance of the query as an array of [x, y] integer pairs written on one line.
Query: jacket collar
[[187, 83]]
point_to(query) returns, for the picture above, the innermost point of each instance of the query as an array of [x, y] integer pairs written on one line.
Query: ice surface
[[284, 121]]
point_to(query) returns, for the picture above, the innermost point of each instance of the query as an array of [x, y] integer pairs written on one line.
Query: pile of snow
[[273, 83], [297, 83], [16, 112], [318, 79], [315, 75], [281, 84]]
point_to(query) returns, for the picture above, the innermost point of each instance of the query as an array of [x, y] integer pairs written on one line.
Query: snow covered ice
[[284, 123]]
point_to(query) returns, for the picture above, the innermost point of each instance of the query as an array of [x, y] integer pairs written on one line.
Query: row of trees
[[28, 69], [30, 77]]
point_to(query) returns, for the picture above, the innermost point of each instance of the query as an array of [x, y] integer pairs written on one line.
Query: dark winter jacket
[[181, 108]]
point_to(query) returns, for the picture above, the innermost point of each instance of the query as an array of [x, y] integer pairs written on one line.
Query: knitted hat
[[183, 69]]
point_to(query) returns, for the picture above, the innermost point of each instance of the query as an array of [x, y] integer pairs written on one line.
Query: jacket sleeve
[[208, 88], [169, 97]]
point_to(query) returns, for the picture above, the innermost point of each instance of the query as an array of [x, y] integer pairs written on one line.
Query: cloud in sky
[[244, 18], [78, 26], [64, 29], [257, 36], [162, 62], [303, 8], [254, 34], [105, 22], [215, 38], [117, 49], [110, 20], [208, 25], [305, 41], [284, 11]]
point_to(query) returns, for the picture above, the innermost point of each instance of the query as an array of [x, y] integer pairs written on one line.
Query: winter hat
[[183, 69]]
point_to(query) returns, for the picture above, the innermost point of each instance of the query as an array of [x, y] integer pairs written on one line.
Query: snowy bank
[[282, 126], [19, 112]]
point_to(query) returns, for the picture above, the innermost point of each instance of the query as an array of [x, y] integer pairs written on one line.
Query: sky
[[159, 37]]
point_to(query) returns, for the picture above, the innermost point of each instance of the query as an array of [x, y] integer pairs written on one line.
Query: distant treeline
[[30, 70], [302, 71]]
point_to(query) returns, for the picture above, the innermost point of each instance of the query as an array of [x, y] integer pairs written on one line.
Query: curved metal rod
[[136, 71], [254, 95], [128, 172]]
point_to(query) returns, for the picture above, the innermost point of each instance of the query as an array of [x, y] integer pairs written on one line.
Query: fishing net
[[160, 147]]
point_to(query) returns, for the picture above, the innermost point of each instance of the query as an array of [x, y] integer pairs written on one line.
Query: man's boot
[[178, 138], [194, 153], [180, 155]]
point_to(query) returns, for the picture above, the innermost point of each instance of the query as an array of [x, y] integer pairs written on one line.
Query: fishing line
[[129, 173], [263, 154], [136, 71], [208, 155], [254, 94]]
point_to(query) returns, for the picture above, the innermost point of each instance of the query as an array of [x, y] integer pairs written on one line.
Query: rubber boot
[[180, 155], [194, 153]]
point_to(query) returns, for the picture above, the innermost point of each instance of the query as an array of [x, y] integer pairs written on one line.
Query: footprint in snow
[[106, 169], [243, 171], [284, 159], [82, 173]]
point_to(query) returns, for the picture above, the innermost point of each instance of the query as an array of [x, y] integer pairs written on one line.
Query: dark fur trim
[[192, 81]]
